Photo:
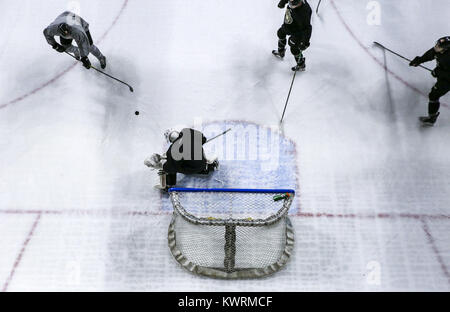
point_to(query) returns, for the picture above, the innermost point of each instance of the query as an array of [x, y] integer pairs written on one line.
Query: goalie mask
[[295, 3], [171, 135]]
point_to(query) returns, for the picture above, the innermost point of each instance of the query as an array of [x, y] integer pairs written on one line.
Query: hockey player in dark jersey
[[185, 155], [441, 53], [297, 25]]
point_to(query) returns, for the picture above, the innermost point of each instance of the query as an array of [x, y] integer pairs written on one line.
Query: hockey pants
[[439, 90], [67, 43]]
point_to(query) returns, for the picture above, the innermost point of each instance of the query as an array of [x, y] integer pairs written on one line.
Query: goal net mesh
[[231, 233]]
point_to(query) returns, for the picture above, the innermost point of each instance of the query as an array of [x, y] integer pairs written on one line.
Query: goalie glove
[[415, 62], [154, 161], [171, 135]]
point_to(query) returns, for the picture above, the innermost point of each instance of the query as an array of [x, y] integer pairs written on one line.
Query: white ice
[[78, 211]]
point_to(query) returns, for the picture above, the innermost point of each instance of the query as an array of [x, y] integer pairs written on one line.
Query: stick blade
[[379, 44]]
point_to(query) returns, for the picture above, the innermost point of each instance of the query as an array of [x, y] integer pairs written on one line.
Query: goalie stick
[[223, 133]]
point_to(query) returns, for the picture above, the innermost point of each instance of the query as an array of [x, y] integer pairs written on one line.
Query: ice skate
[[215, 165], [429, 121], [301, 66], [102, 60], [279, 53], [162, 186]]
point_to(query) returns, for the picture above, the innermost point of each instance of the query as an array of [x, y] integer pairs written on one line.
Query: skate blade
[[277, 56], [424, 123]]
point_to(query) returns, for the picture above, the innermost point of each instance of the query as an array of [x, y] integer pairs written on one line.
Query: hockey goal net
[[231, 233]]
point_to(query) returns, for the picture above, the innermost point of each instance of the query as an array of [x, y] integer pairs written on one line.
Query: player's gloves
[[282, 4], [415, 62], [434, 73], [303, 46], [86, 62], [59, 48]]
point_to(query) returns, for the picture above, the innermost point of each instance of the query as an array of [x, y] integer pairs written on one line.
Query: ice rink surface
[[78, 211]]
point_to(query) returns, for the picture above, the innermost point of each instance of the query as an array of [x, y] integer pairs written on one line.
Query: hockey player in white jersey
[[69, 26]]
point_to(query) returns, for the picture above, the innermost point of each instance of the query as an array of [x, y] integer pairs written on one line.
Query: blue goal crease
[[263, 171]]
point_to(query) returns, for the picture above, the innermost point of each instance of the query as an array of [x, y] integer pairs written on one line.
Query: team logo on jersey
[[288, 17]]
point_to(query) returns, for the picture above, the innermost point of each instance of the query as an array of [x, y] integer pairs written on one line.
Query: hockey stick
[[287, 100], [225, 132], [130, 87], [318, 5], [401, 56]]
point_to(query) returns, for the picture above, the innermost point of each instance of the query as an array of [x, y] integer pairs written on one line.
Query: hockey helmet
[[171, 135], [64, 29], [443, 43]]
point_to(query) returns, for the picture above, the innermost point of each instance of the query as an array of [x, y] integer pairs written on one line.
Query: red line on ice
[[379, 62], [85, 212], [435, 249], [373, 216], [21, 253], [102, 213], [65, 71]]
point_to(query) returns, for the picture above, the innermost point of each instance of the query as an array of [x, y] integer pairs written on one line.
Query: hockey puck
[[136, 113]]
